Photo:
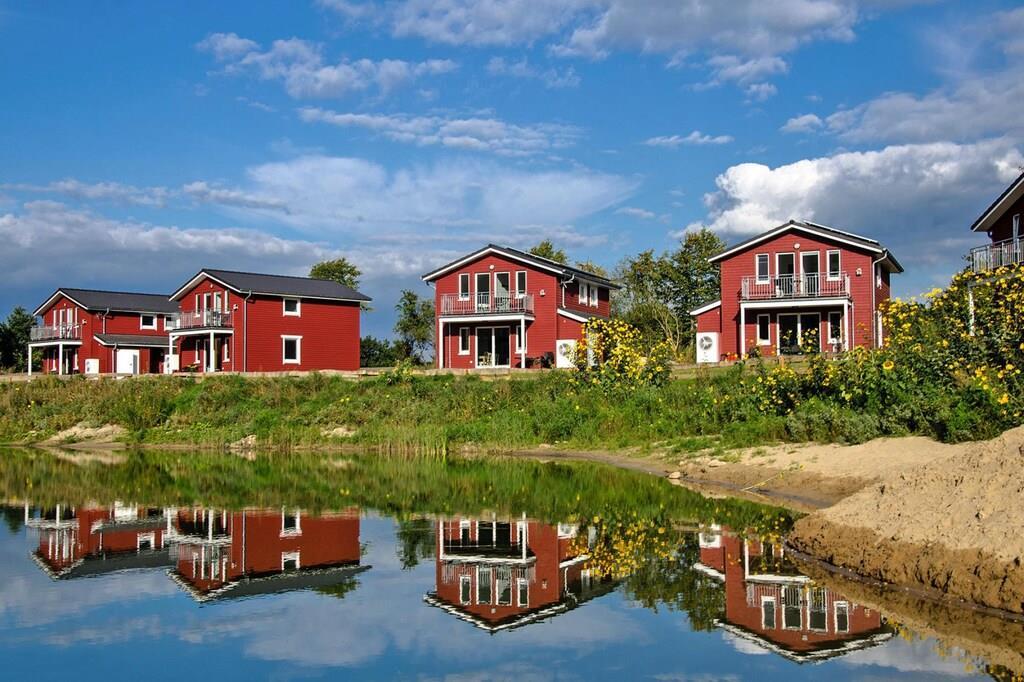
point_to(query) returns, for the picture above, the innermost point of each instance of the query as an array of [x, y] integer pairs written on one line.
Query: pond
[[158, 565]]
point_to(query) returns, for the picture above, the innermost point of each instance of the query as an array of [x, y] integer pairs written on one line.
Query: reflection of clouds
[[908, 657], [744, 646], [521, 672], [695, 677]]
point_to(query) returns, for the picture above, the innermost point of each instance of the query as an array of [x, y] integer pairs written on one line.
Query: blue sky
[[141, 142]]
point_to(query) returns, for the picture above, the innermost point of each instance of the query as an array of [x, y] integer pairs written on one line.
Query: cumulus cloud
[[300, 65], [551, 77], [472, 133], [805, 123], [694, 138]]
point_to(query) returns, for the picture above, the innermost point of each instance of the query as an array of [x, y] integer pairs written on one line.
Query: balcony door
[[809, 273], [785, 271], [492, 347], [502, 290], [483, 291]]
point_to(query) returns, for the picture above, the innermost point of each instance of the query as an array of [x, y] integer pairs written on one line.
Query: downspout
[[245, 331], [875, 320], [565, 283]]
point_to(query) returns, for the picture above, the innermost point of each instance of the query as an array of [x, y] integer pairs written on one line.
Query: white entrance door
[[127, 361], [565, 349]]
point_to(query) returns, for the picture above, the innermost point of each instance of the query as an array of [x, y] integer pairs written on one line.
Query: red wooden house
[[501, 307], [250, 322], [1002, 223], [504, 573], [769, 603], [100, 332], [800, 287]]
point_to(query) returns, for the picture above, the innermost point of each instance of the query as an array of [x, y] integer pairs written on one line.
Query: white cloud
[[224, 46], [694, 138], [483, 22], [301, 67], [759, 92], [551, 77], [745, 71], [203, 192], [634, 212], [474, 134], [115, 192], [805, 123]]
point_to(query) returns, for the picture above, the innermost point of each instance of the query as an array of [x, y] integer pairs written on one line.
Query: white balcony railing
[[997, 254], [55, 332], [200, 318], [486, 304], [795, 286]]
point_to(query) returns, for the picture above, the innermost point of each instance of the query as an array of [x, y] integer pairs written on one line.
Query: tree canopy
[[546, 249], [14, 338], [339, 270], [415, 325]]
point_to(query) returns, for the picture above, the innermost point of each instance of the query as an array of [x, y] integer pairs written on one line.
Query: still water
[[120, 589]]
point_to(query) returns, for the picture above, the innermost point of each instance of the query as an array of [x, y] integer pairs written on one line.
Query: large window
[[764, 330], [834, 264], [463, 340], [291, 350], [464, 286], [842, 616], [522, 592], [768, 613], [520, 283], [465, 589], [483, 585], [593, 296], [835, 328], [762, 268], [584, 293]]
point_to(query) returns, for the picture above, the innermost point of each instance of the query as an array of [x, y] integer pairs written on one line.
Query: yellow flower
[[888, 365], [1003, 399]]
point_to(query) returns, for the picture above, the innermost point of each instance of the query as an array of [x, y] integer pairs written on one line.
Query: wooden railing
[[201, 318], [795, 286], [996, 255], [55, 332], [486, 304]]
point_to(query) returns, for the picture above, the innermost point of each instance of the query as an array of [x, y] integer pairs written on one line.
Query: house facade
[[800, 287], [500, 307], [1001, 223], [101, 332]]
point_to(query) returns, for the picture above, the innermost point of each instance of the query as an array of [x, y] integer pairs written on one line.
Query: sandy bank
[[952, 525]]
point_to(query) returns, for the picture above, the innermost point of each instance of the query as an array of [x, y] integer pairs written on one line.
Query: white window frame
[[298, 307], [584, 293], [206, 301], [480, 581], [832, 329], [767, 268], [169, 323], [845, 606], [521, 290], [465, 332], [142, 321], [520, 340], [520, 584], [218, 301], [594, 290], [291, 556], [291, 532], [828, 265], [298, 349], [468, 293], [226, 354], [1015, 234], [775, 613], [465, 589], [764, 341]]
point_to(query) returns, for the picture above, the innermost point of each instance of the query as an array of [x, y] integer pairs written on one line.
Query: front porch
[[200, 350], [59, 356], [769, 329], [483, 342]]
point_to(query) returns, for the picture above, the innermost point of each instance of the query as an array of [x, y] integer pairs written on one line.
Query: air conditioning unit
[[707, 347], [92, 366]]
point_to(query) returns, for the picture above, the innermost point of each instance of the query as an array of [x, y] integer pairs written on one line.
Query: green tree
[[338, 270], [546, 249], [690, 279], [374, 352], [14, 338], [592, 267], [415, 325], [416, 539]]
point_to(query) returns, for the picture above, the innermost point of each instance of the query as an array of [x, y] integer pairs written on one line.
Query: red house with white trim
[[101, 332], [800, 287], [1001, 221], [502, 307]]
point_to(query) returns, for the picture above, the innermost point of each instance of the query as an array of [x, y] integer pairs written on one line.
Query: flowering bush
[[611, 355]]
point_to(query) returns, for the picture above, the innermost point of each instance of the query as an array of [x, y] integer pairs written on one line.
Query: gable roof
[[998, 207], [817, 230], [275, 285], [523, 257], [115, 301]]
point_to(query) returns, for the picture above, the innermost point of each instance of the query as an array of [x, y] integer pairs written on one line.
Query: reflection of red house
[[500, 574], [221, 554], [78, 542], [771, 604]]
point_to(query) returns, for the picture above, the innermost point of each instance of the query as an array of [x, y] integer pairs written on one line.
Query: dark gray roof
[[282, 285], [530, 258], [1006, 192], [118, 301], [133, 340]]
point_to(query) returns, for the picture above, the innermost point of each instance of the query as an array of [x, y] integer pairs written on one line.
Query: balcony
[[486, 304], [201, 319], [56, 332], [790, 287], [996, 255]]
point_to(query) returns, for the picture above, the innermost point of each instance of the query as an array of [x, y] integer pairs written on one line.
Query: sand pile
[[955, 525]]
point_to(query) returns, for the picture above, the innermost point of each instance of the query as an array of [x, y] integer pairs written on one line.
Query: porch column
[[60, 359], [211, 358], [522, 342], [846, 325], [440, 344], [743, 331], [29, 364], [170, 353]]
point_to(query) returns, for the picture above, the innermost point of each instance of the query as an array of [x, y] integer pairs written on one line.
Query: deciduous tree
[[546, 249], [415, 325]]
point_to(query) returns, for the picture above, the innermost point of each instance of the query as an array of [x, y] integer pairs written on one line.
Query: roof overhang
[[573, 316], [486, 251], [60, 292], [57, 294], [994, 212], [177, 295], [706, 307], [155, 342]]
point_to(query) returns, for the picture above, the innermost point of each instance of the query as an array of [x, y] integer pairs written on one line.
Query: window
[[761, 260], [520, 283], [292, 307], [291, 523], [523, 592], [791, 610], [464, 286], [465, 589], [169, 322], [520, 341], [834, 264], [463, 340], [206, 301], [593, 296], [818, 614], [217, 305], [768, 613], [483, 290], [842, 616], [764, 330], [290, 561], [835, 327], [504, 586], [226, 353], [147, 321], [291, 350], [483, 585], [584, 293]]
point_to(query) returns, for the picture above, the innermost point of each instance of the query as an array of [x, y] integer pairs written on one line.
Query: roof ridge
[[838, 231], [111, 291], [269, 274]]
